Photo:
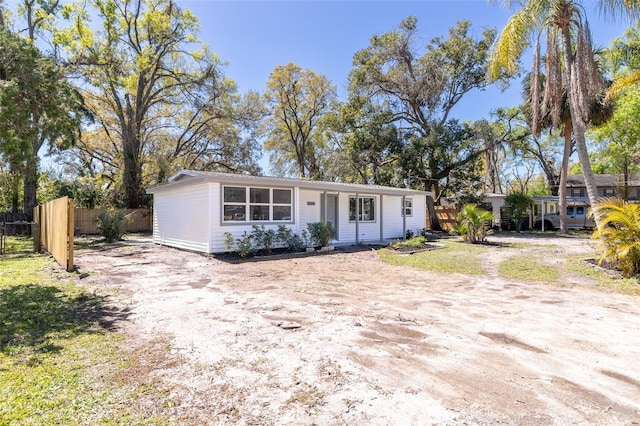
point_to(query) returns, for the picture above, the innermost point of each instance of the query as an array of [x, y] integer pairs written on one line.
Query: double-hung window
[[408, 207], [246, 204], [366, 209]]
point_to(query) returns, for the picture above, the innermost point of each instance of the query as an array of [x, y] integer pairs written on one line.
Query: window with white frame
[[577, 192], [246, 204], [608, 192], [408, 207], [366, 209]]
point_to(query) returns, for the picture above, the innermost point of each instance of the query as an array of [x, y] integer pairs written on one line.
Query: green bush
[[320, 233], [517, 204], [111, 224], [293, 242], [265, 239], [242, 245]]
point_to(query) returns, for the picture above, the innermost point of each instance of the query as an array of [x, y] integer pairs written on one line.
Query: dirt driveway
[[348, 339]]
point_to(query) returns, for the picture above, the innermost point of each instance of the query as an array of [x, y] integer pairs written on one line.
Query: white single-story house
[[195, 209]]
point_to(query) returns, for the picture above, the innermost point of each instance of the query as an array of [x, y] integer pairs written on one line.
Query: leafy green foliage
[[618, 234], [86, 193], [321, 233], [293, 242], [265, 239], [517, 205], [243, 245], [298, 100], [111, 224], [419, 90], [160, 97], [37, 105], [474, 220], [412, 242]]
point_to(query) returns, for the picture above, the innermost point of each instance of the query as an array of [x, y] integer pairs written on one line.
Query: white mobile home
[[195, 209]]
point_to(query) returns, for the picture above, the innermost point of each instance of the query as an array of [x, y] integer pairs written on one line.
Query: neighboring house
[[195, 209], [609, 185]]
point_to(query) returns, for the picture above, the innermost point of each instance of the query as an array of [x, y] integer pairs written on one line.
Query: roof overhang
[[189, 177]]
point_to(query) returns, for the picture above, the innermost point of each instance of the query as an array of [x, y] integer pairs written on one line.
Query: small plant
[[458, 229], [265, 239], [229, 241], [245, 248], [293, 242], [474, 220], [408, 234], [424, 232], [111, 224], [242, 245], [321, 233], [306, 239], [415, 242]]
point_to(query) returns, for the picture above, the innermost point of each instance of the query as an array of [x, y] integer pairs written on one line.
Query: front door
[[332, 212]]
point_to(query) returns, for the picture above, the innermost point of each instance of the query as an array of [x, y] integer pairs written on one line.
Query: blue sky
[[256, 36]]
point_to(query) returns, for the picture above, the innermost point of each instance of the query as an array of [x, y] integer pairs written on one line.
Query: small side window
[[580, 210]]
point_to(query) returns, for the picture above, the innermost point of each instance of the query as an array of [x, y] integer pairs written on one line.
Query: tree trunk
[[30, 185], [625, 172], [132, 173], [433, 217], [579, 126], [562, 188]]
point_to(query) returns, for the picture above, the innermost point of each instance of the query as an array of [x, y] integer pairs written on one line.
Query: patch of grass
[[526, 268], [603, 279], [61, 359], [455, 257], [18, 244], [412, 242]]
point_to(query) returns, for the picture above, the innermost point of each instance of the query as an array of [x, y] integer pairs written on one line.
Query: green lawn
[[526, 268], [454, 257], [61, 359]]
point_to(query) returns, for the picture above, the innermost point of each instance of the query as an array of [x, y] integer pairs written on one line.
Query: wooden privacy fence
[[54, 221], [86, 220], [446, 217]]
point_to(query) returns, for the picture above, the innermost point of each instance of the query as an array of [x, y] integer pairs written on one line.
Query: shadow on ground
[[34, 316]]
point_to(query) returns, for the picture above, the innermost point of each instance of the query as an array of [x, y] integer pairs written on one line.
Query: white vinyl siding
[[392, 216], [189, 215], [309, 208], [182, 218]]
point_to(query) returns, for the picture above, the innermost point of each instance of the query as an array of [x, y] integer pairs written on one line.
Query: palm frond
[[618, 234], [511, 43]]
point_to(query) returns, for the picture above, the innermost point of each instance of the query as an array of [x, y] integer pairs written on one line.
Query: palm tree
[[473, 222], [570, 64], [618, 234]]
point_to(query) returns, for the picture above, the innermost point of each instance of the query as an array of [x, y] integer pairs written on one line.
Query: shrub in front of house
[[265, 239], [242, 245], [292, 241], [321, 233]]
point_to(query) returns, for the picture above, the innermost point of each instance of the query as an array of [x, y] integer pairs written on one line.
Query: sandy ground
[[347, 339]]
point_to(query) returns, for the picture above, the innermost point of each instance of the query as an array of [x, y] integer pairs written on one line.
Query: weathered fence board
[[86, 221], [447, 216], [55, 229]]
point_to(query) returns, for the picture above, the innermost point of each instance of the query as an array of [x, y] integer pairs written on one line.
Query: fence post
[[35, 229], [70, 227]]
